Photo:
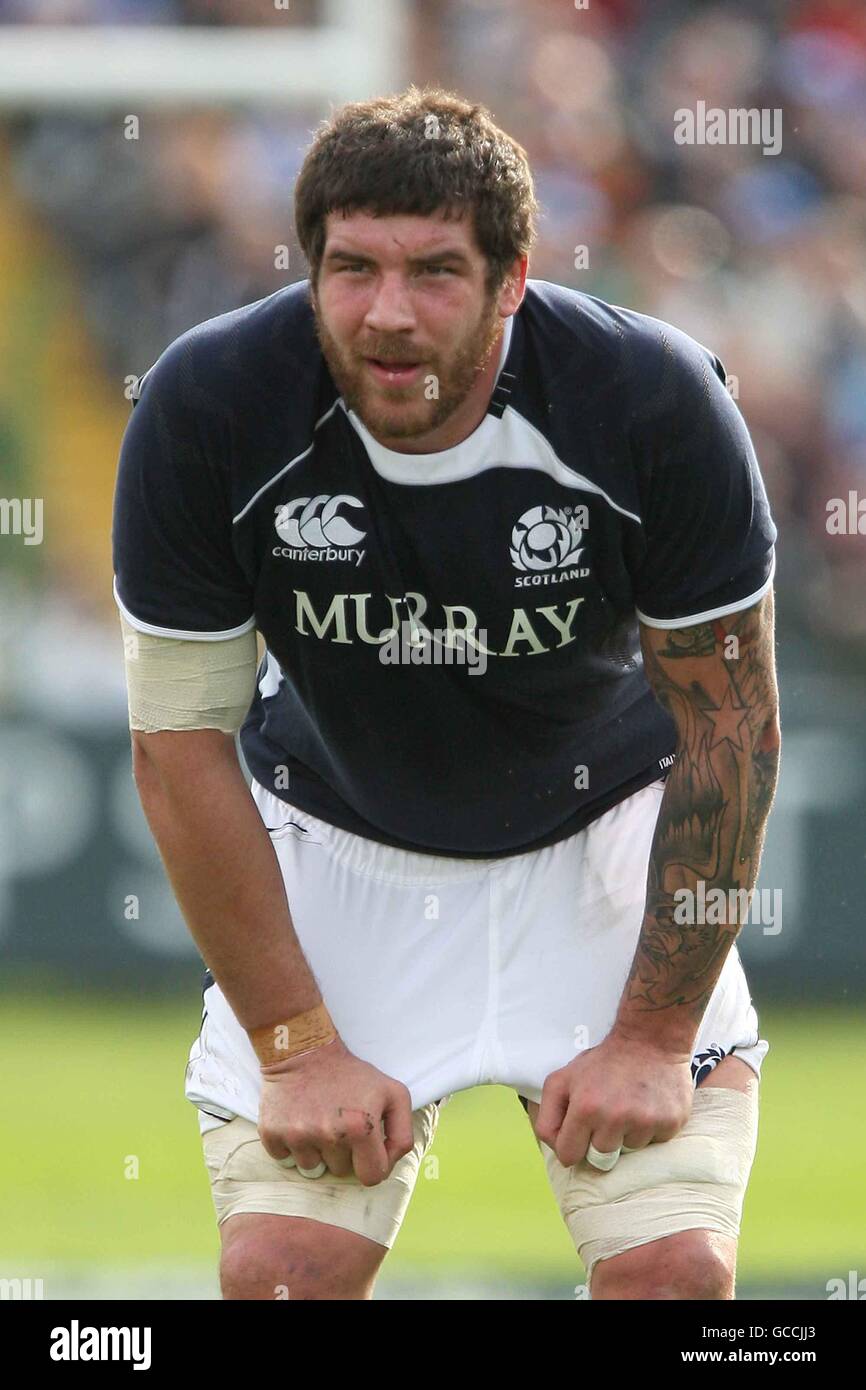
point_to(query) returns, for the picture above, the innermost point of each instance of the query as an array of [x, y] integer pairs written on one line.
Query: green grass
[[92, 1089]]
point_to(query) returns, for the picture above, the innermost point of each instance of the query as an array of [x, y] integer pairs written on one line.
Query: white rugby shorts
[[452, 973]]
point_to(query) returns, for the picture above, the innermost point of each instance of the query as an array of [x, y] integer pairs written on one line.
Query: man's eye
[[353, 266]]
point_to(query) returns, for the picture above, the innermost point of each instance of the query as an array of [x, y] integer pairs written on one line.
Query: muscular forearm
[[677, 964], [224, 872], [711, 822]]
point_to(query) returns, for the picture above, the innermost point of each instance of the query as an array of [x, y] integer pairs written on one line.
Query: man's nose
[[391, 309]]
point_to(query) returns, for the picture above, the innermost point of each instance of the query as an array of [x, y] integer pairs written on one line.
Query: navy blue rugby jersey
[[612, 478]]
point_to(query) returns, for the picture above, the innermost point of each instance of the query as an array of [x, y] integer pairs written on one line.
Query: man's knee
[[690, 1265], [265, 1256]]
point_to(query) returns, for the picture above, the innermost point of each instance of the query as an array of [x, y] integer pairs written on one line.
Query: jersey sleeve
[[707, 536], [175, 571]]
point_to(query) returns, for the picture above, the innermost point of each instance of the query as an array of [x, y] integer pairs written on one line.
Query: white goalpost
[[360, 49]]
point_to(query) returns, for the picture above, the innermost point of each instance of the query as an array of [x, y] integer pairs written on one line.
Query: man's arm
[[325, 1104], [224, 871], [718, 681], [190, 606]]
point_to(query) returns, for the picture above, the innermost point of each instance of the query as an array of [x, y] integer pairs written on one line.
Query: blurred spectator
[[761, 256], [237, 12]]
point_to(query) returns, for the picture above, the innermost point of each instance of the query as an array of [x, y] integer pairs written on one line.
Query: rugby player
[[443, 876]]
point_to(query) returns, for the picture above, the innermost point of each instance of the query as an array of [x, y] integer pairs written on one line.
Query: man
[[479, 854]]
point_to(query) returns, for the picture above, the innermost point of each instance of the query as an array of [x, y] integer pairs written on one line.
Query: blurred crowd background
[[761, 256], [110, 248]]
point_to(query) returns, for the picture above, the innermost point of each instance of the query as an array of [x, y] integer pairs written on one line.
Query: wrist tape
[[276, 1042]]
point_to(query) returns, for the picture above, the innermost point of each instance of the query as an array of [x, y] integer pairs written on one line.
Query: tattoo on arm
[[718, 682]]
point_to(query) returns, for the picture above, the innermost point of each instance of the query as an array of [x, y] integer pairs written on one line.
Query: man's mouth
[[393, 372]]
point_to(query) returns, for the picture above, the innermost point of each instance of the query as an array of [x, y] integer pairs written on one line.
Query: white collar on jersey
[[448, 465]]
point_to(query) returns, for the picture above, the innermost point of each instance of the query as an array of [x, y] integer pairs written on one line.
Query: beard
[[410, 414]]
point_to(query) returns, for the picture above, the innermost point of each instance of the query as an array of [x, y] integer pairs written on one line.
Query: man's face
[[410, 292]]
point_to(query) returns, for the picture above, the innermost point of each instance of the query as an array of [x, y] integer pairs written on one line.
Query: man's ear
[[514, 285]]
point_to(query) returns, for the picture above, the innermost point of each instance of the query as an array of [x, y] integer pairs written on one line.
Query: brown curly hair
[[419, 152]]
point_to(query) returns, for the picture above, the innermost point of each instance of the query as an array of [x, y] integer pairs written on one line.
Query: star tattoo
[[727, 719]]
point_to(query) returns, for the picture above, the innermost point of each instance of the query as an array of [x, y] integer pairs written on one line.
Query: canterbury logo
[[310, 523], [546, 539]]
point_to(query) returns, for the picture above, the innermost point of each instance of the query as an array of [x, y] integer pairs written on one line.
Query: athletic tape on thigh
[[695, 1180], [244, 1178], [177, 683]]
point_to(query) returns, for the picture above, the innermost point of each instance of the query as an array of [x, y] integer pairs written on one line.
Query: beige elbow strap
[[176, 683]]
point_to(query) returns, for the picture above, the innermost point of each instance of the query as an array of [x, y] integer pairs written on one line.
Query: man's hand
[[328, 1106], [620, 1094]]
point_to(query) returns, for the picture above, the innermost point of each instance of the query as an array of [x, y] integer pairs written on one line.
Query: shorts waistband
[[363, 855]]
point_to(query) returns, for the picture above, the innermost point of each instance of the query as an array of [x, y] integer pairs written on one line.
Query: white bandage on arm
[[177, 683]]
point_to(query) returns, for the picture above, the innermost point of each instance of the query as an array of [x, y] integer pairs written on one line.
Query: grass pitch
[[101, 1161]]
